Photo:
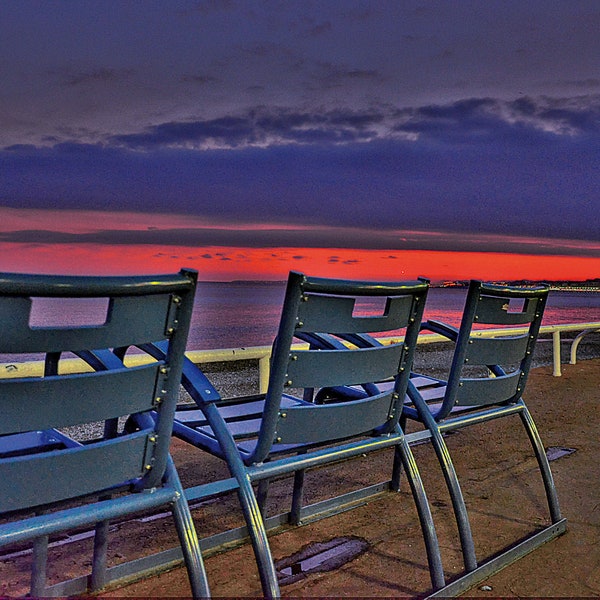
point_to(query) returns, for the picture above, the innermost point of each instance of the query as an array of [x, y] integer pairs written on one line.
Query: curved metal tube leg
[[458, 501], [540, 454], [188, 538], [432, 548], [258, 536], [248, 502]]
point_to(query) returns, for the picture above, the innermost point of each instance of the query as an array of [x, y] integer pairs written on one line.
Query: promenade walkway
[[505, 501], [502, 489]]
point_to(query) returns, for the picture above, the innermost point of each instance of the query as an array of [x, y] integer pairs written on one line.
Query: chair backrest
[[327, 306], [506, 357], [140, 309]]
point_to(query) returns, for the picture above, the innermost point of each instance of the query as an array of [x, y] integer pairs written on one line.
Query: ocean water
[[229, 315], [242, 314]]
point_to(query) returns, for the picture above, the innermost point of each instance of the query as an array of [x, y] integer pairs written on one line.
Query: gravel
[[241, 377]]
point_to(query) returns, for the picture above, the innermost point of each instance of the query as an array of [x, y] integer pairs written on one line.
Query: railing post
[[264, 367], [576, 342], [556, 353]]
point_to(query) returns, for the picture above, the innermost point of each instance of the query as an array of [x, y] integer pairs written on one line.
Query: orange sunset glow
[[226, 263], [102, 242]]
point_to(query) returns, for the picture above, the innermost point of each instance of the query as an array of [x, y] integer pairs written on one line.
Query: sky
[[357, 139]]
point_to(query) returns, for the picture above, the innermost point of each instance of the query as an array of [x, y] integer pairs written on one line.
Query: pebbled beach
[[241, 377]]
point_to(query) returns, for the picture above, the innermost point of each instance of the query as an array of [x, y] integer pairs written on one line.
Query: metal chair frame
[[292, 433], [46, 472], [464, 400]]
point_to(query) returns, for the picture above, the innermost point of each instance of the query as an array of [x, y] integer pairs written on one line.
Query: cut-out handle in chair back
[[40, 464]]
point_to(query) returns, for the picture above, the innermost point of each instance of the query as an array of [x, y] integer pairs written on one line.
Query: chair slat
[[501, 351], [308, 424], [335, 314], [492, 390], [61, 474], [325, 368], [239, 429], [130, 320], [493, 310], [60, 401]]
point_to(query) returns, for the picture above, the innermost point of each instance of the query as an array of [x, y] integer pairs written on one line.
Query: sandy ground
[[502, 489]]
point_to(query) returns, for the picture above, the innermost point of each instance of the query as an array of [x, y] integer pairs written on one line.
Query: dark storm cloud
[[258, 127], [469, 120], [478, 165]]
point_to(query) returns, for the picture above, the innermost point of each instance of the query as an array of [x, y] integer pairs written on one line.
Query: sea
[[243, 314]]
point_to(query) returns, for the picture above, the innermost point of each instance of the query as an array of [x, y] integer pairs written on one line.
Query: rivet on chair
[[283, 415], [288, 382]]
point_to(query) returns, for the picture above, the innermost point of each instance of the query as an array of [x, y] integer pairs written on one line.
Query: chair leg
[[262, 495], [249, 504], [396, 470], [397, 465], [38, 568], [456, 495], [297, 498], [432, 548], [188, 537], [258, 535], [98, 577], [544, 465]]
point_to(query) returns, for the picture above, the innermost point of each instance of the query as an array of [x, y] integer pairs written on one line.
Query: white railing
[[263, 353]]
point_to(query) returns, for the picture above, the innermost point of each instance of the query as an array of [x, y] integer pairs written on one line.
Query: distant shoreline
[[587, 285]]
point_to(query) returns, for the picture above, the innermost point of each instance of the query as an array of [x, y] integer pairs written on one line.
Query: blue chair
[[51, 482], [284, 431], [486, 381]]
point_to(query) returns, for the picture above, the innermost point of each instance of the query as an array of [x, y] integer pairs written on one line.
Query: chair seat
[[242, 415], [21, 444]]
